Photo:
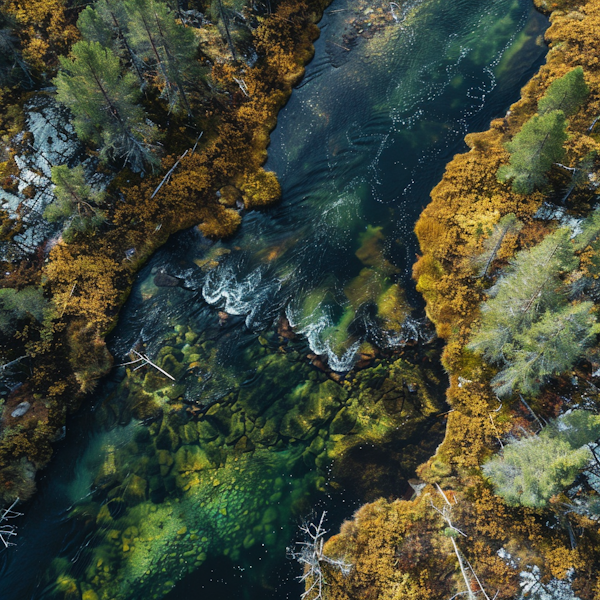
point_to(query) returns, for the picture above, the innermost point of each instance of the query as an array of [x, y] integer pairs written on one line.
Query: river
[[195, 487]]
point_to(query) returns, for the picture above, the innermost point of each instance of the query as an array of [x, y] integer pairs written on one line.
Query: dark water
[[149, 496]]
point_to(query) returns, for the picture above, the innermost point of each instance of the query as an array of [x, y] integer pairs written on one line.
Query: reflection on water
[[171, 487]]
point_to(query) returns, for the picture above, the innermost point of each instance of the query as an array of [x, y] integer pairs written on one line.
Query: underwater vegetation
[[182, 482]]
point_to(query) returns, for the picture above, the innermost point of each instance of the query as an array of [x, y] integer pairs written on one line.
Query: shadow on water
[[194, 488]]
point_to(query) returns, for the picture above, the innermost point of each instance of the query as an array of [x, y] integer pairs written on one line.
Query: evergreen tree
[[566, 94], [106, 23], [532, 470], [507, 225], [104, 104], [167, 49], [18, 304], [76, 202], [529, 287], [549, 347], [222, 13], [534, 150]]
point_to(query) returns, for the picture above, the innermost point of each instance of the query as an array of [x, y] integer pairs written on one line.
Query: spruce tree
[[76, 202], [529, 287], [566, 94], [551, 346], [530, 471], [534, 150], [103, 103], [167, 49]]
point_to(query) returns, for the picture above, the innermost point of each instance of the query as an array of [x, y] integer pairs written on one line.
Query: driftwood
[[463, 563], [311, 557], [144, 360], [7, 531], [166, 178]]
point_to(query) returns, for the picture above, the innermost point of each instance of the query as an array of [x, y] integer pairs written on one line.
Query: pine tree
[[166, 47], [104, 105], [551, 346], [76, 202], [106, 23], [534, 150], [532, 470], [222, 12], [566, 94], [507, 225], [529, 287]]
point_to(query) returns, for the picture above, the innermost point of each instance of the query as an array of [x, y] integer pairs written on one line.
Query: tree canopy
[[567, 93], [530, 471], [527, 324], [534, 150], [76, 202], [103, 102], [166, 48]]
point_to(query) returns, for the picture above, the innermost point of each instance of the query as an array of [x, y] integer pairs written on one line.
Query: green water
[[194, 487]]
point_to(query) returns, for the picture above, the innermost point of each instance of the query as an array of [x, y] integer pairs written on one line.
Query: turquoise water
[[195, 487]]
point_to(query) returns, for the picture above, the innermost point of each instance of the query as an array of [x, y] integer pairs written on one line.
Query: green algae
[[186, 486]]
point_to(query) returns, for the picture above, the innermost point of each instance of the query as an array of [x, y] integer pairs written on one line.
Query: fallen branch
[[339, 46], [170, 171], [149, 362], [8, 531], [311, 556]]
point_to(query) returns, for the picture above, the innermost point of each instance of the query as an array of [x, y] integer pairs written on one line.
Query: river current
[[194, 487]]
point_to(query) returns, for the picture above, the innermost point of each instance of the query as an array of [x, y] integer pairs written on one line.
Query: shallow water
[[164, 489]]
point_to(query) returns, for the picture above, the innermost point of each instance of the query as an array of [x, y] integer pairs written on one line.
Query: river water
[[194, 487]]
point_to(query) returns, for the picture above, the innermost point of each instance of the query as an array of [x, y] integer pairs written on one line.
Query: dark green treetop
[[167, 49], [104, 106], [76, 202], [567, 93], [530, 471], [534, 150]]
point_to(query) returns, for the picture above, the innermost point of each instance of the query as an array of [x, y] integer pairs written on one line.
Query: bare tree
[[463, 563], [311, 557], [6, 530]]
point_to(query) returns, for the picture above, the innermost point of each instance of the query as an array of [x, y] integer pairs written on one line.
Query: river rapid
[[195, 486]]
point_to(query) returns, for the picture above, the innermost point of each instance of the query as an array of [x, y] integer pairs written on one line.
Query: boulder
[[20, 410]]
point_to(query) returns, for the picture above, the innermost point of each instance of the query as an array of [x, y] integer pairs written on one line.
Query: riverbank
[[87, 280], [403, 549]]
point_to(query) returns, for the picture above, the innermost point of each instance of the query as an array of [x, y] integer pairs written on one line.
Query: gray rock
[[20, 410]]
